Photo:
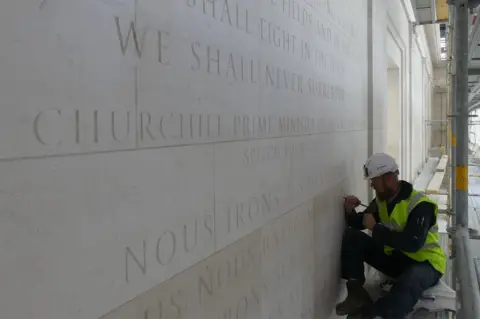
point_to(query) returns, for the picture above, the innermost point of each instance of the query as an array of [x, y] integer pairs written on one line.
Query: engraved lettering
[[162, 48], [205, 285], [283, 79], [124, 40], [242, 307], [36, 126], [324, 32], [143, 267], [205, 7], [114, 134], [55, 127], [77, 126], [269, 153], [306, 50], [241, 213], [295, 11], [169, 244], [172, 247], [266, 202], [213, 59], [209, 227], [231, 66], [167, 309], [225, 11], [176, 306], [195, 237], [162, 38], [277, 36], [194, 46], [145, 127], [226, 64], [174, 126], [95, 126], [325, 90]]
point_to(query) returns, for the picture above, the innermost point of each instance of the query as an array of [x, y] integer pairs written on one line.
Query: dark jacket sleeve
[[355, 220], [413, 236]]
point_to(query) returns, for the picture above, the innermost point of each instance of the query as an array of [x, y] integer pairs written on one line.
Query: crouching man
[[404, 244]]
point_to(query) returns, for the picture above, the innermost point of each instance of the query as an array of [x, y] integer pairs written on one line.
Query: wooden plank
[[473, 222], [435, 183], [422, 181], [441, 200], [442, 164]]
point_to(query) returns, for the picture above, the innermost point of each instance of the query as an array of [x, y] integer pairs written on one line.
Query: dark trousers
[[412, 277]]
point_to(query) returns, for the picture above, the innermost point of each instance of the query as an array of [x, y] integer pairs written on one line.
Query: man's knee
[[352, 236], [418, 278], [407, 291], [410, 285]]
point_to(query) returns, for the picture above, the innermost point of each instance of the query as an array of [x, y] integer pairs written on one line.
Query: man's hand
[[369, 221], [350, 203]]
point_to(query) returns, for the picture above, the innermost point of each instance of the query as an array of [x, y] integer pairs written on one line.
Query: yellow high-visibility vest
[[397, 220]]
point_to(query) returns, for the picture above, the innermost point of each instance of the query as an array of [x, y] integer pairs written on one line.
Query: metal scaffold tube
[[451, 70], [453, 110], [461, 114], [469, 291]]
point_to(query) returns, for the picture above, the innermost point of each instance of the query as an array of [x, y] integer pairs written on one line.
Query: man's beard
[[385, 195]]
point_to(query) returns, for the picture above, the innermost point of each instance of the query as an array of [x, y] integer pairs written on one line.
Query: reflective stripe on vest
[[413, 202], [431, 250]]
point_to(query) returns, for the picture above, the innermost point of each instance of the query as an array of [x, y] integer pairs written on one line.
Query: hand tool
[[360, 204]]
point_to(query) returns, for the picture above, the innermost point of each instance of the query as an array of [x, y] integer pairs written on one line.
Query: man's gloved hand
[[369, 221], [350, 203]]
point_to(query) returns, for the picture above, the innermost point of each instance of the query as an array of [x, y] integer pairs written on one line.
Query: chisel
[[363, 205]]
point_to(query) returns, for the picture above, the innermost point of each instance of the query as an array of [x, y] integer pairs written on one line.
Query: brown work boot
[[357, 298]]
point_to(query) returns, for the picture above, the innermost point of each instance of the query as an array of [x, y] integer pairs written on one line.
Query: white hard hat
[[379, 164]]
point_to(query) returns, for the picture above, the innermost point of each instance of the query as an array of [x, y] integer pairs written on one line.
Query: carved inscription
[[252, 210], [80, 127], [170, 244], [139, 40], [334, 10], [241, 275], [56, 127], [310, 14], [152, 127], [224, 64], [283, 232], [315, 181], [227, 273], [178, 126], [225, 285], [224, 11], [270, 32], [294, 10], [252, 278], [276, 36], [269, 153], [287, 262]]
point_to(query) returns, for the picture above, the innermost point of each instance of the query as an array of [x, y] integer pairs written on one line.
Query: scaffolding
[[459, 55]]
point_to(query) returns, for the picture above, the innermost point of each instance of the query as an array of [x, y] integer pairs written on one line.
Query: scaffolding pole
[[461, 112], [469, 291], [452, 199]]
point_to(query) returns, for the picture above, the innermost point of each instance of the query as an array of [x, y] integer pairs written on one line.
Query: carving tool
[[363, 205]]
